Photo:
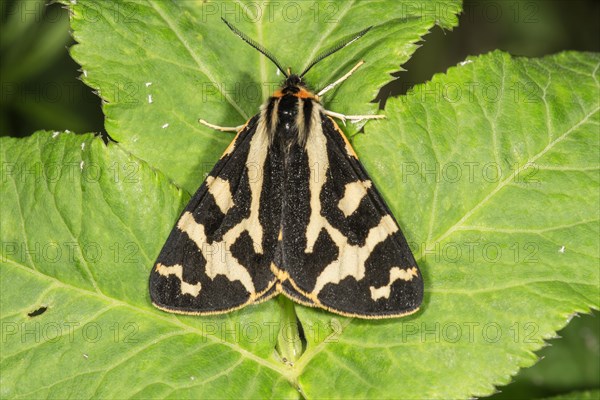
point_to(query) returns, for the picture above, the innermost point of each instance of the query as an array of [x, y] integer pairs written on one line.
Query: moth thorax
[[290, 120]]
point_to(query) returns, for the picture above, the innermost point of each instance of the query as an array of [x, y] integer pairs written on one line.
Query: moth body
[[288, 209]]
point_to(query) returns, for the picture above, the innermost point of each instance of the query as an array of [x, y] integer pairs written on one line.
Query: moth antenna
[[338, 46], [257, 46]]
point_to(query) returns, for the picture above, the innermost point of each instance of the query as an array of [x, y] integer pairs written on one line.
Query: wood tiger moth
[[310, 224]]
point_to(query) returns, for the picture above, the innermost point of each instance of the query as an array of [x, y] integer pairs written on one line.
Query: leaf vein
[[167, 319], [203, 67], [506, 181]]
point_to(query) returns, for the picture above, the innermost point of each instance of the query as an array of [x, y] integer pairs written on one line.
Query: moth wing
[[352, 257], [217, 257]]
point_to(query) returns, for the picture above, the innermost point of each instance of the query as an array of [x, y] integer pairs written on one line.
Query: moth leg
[[342, 79], [221, 128], [352, 118]]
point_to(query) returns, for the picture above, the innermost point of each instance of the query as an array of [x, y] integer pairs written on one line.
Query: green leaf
[[568, 362], [492, 169], [192, 66], [78, 241], [81, 225]]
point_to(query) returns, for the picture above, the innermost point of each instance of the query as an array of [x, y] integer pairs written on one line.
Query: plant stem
[[289, 341]]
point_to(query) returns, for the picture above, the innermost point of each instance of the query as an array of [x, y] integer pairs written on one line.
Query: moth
[[288, 209]]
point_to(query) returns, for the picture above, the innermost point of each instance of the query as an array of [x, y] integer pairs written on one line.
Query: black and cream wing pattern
[[343, 251], [288, 209], [217, 257]]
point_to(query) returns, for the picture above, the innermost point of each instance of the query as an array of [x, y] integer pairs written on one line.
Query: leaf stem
[[290, 343]]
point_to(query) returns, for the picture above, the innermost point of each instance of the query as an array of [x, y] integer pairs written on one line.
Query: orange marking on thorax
[[302, 94], [305, 94]]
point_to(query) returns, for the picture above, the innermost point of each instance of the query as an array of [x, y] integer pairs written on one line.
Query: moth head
[[294, 80], [289, 76]]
